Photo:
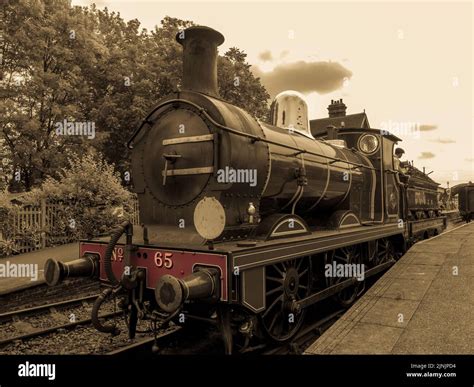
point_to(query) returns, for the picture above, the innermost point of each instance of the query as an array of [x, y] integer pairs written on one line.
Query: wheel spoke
[[275, 302], [279, 280], [277, 289], [299, 264], [275, 317], [343, 257], [278, 270], [302, 273]]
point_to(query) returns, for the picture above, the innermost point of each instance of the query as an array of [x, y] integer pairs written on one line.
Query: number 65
[[165, 261]]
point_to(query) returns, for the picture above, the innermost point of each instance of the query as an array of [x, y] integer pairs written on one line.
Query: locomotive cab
[[381, 199]]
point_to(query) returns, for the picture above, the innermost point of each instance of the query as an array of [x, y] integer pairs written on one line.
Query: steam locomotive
[[241, 217]]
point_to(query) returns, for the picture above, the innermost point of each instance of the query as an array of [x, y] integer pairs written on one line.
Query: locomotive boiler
[[240, 216]]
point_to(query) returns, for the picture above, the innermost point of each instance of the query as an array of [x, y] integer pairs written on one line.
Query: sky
[[409, 65]]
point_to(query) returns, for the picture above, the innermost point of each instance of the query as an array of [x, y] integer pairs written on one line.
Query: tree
[[139, 71], [64, 64], [46, 44], [238, 85]]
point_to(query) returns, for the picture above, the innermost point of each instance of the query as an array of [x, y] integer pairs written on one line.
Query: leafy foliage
[[238, 85], [90, 195], [47, 47], [6, 208], [8, 247], [88, 65]]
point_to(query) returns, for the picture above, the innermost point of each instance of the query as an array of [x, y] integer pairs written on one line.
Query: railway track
[[151, 344], [42, 320], [81, 338], [39, 294], [37, 322], [17, 314], [55, 328], [38, 330]]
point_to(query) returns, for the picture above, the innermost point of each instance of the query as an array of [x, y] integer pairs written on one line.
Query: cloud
[[444, 140], [426, 155], [265, 56], [305, 77], [427, 127]]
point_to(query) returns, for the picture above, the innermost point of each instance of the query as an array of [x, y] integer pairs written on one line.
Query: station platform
[[9, 284], [423, 305]]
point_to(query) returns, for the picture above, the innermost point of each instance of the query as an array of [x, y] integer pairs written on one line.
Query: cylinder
[[171, 292], [57, 271], [200, 59]]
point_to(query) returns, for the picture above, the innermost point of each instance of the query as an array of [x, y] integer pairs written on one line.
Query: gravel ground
[[61, 316], [82, 340], [42, 294]]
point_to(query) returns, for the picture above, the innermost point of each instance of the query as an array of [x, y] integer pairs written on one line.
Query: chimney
[[337, 108], [200, 59]]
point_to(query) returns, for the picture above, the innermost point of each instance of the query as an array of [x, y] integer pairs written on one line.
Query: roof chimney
[[337, 108], [200, 59]]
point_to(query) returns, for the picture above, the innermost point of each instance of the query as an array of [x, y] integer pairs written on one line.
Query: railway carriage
[[465, 193]]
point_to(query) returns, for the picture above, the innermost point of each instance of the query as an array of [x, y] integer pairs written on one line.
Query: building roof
[[359, 120]]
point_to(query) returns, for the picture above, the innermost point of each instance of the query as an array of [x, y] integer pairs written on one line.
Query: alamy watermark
[[75, 128], [345, 270], [401, 128], [231, 175], [28, 369], [19, 270]]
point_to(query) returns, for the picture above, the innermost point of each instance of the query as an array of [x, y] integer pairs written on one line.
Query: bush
[[88, 193], [8, 247]]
